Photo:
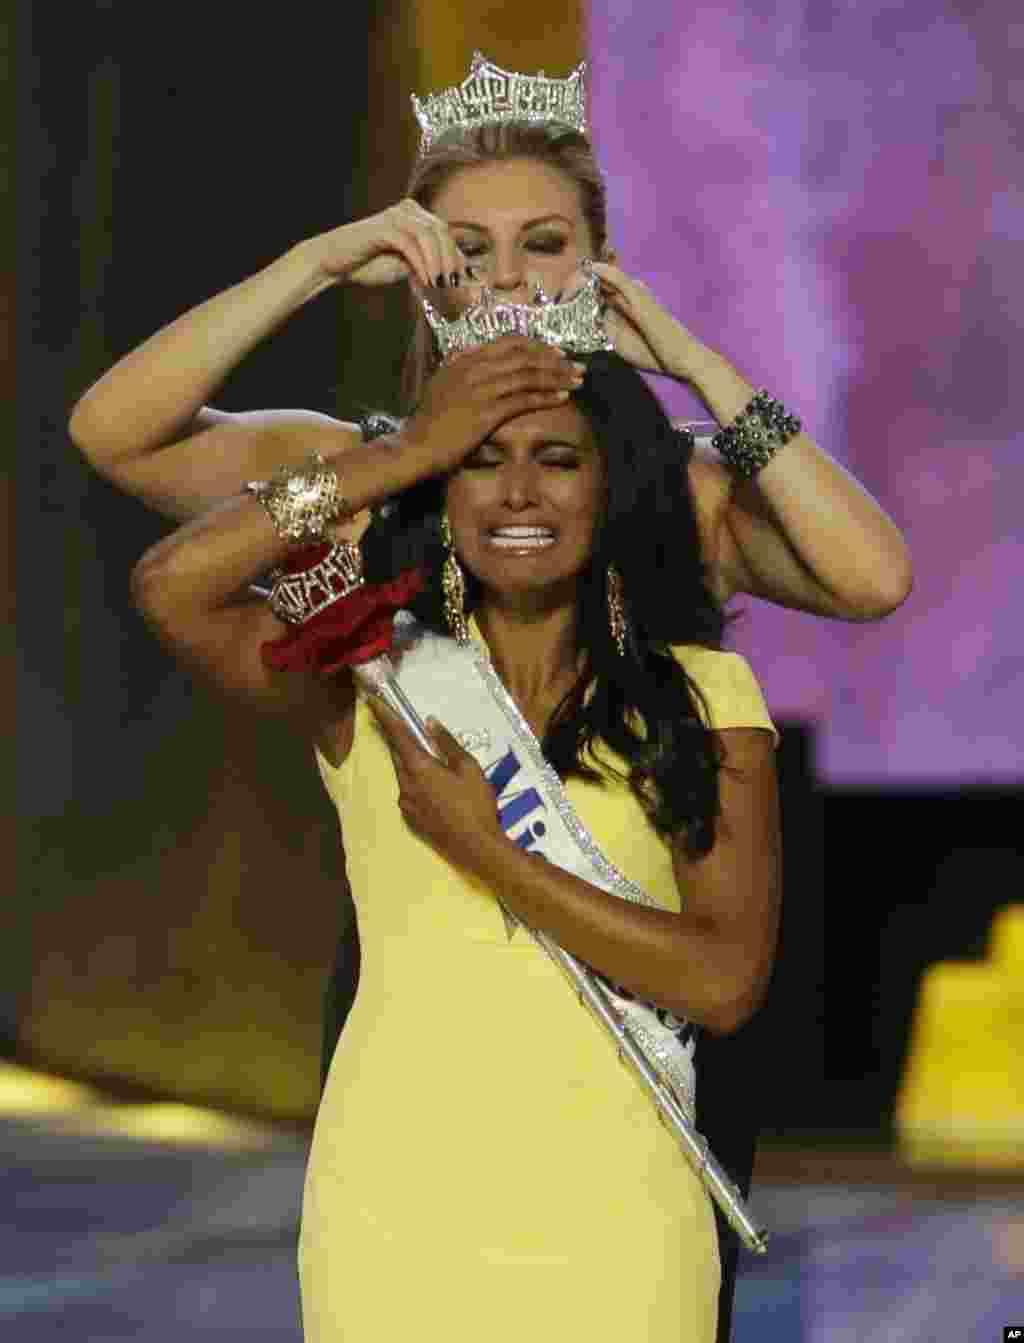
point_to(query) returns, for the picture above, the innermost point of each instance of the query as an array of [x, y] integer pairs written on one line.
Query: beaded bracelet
[[301, 501], [756, 434]]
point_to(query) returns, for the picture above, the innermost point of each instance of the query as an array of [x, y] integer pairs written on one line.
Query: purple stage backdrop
[[830, 193]]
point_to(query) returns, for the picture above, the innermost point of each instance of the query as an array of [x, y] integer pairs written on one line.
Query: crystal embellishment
[[475, 740], [576, 326], [490, 96], [299, 597]]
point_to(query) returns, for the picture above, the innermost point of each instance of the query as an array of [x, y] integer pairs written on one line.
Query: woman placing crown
[[477, 1143]]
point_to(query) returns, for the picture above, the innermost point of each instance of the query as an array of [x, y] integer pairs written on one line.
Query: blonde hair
[[566, 150]]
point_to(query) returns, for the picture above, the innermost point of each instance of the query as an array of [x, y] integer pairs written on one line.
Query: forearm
[[838, 533], [153, 394], [672, 960], [208, 561]]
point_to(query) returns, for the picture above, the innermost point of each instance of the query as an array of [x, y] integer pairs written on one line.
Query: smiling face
[[544, 470], [518, 221]]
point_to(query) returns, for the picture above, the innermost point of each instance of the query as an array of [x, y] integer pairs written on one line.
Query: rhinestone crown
[[298, 597], [490, 96], [576, 326]]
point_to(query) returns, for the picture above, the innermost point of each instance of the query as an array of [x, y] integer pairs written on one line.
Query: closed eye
[[566, 463], [547, 246]]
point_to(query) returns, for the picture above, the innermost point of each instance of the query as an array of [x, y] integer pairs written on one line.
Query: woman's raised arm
[[191, 586], [154, 398], [146, 424], [803, 532]]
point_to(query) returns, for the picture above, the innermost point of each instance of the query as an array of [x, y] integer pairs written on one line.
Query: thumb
[[438, 730], [452, 748]]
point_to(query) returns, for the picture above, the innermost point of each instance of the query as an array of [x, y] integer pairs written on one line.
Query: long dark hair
[[648, 528]]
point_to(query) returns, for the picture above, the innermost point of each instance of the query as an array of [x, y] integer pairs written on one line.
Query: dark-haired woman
[[481, 1163], [515, 206]]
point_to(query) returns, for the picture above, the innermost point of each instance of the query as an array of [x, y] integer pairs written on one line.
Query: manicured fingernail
[[454, 277], [440, 281]]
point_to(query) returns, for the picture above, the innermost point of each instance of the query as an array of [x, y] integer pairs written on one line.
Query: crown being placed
[[576, 326], [489, 96]]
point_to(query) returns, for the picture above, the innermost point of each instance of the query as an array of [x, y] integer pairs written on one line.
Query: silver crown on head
[[576, 326], [490, 96]]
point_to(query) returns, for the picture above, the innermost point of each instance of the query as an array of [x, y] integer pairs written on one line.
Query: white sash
[[458, 685]]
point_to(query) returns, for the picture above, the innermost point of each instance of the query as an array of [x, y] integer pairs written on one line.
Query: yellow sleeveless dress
[[483, 1168]]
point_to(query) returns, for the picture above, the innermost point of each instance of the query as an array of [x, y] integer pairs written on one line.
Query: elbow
[[894, 592], [735, 1010], [905, 582], [149, 587], [890, 587], [95, 437], [80, 433], [143, 585], [727, 1020]]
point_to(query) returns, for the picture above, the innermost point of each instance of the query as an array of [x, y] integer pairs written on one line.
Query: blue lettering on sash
[[518, 805], [516, 808]]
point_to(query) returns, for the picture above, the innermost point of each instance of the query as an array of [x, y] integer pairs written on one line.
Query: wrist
[[490, 855], [302, 268], [413, 441], [722, 389]]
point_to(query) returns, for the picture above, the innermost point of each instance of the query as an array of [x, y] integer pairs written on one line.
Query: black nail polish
[[441, 281], [454, 278]]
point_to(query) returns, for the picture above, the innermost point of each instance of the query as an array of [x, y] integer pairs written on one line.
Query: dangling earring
[[453, 585], [616, 609]]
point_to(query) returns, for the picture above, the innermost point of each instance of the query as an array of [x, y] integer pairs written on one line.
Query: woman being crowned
[[482, 1165]]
